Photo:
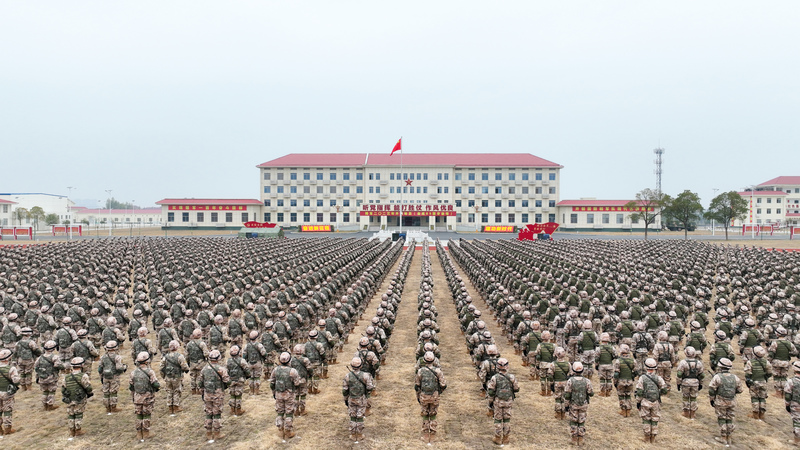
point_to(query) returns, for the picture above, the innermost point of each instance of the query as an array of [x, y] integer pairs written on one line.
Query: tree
[[37, 214], [684, 209], [727, 207], [51, 219], [21, 213], [113, 203], [647, 207]]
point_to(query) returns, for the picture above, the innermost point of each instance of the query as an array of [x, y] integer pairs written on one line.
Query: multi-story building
[[452, 191], [786, 209], [6, 206], [59, 205]]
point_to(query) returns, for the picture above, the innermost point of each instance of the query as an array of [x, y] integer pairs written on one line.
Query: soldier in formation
[[77, 390], [429, 384]]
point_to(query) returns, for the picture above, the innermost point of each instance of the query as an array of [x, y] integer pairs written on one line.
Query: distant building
[[600, 215], [6, 208], [776, 201], [120, 217], [59, 205], [208, 213]]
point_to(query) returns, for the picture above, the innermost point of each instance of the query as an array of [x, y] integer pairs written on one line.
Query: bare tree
[[647, 207]]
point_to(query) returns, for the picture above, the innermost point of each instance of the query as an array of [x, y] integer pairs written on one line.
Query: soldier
[[543, 357], [77, 390], [315, 352], [27, 352], [587, 343], [791, 397], [142, 344], [429, 384], [110, 369], [780, 352], [239, 372], [166, 335], [304, 369], [666, 356], [197, 355], [356, 389], [255, 354], [283, 382], [9, 377], [47, 368], [561, 373], [143, 385], [690, 381], [722, 349], [606, 354], [218, 335], [213, 382], [501, 391], [624, 375], [11, 333], [757, 372], [272, 344], [749, 339], [643, 344], [722, 392], [65, 336], [487, 370], [173, 366], [649, 389], [85, 349], [577, 392]]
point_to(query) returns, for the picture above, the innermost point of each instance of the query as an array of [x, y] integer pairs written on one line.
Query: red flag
[[396, 146]]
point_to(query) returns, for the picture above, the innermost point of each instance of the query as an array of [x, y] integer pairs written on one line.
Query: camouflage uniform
[[606, 355], [791, 396], [143, 385], [284, 381], [690, 381], [110, 369], [197, 355], [429, 383], [781, 352], [649, 389], [255, 354], [213, 381], [624, 374], [722, 390], [577, 392], [666, 356], [501, 390], [561, 373], [9, 375], [356, 390], [75, 393], [543, 355], [26, 354], [47, 368], [239, 372], [757, 373], [173, 366]]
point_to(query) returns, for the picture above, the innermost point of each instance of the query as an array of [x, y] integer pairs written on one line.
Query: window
[[372, 189], [551, 203], [778, 200], [280, 175], [525, 204], [267, 217], [346, 217], [498, 176], [458, 190], [214, 217], [484, 218], [200, 217], [320, 217], [471, 218], [391, 176], [537, 218], [551, 217], [267, 202], [267, 175], [345, 189], [484, 203], [359, 189], [244, 217], [498, 218], [229, 217], [758, 200], [471, 190], [319, 202], [758, 210], [620, 218], [333, 218], [525, 190], [319, 176], [769, 210], [306, 175], [306, 217], [333, 202], [293, 176], [511, 218], [498, 190], [537, 203], [538, 176], [484, 189], [346, 202], [458, 176], [346, 176], [512, 190], [293, 189], [185, 217], [537, 190], [525, 218], [280, 189], [266, 189], [471, 176], [512, 203], [280, 217], [306, 189], [769, 199], [458, 203], [590, 218], [319, 189], [778, 211], [333, 189], [573, 218], [293, 217], [605, 218], [471, 203], [419, 175], [306, 203], [439, 176], [359, 176], [525, 176], [552, 176], [512, 176], [333, 175], [377, 189], [551, 190], [485, 176], [424, 190], [498, 203], [170, 217]]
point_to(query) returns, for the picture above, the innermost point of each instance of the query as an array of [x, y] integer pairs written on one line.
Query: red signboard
[[15, 231], [408, 210], [259, 225], [528, 232], [611, 208], [315, 228], [498, 228], [206, 208]]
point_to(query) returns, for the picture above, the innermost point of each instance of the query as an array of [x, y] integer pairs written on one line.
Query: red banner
[[259, 225], [315, 228], [408, 210], [610, 208], [408, 213], [498, 228], [206, 208], [529, 232]]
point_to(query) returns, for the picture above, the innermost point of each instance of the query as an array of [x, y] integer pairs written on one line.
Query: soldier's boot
[[256, 389], [646, 438], [353, 437], [685, 413], [653, 439], [574, 440], [289, 434], [241, 411], [728, 440], [426, 437], [557, 415], [79, 432], [433, 436], [580, 440], [233, 411], [622, 412], [541, 390], [692, 414], [177, 409], [139, 435], [114, 409], [172, 410], [797, 440], [761, 415], [218, 435], [498, 440], [210, 435], [71, 432], [505, 439], [145, 434]]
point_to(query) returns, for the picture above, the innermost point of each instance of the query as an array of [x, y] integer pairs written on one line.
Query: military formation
[[636, 313], [639, 318]]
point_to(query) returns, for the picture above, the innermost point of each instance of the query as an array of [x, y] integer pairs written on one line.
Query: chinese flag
[[397, 146]]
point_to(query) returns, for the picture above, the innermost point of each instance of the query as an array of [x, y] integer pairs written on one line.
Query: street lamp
[[713, 229], [69, 216], [108, 191]]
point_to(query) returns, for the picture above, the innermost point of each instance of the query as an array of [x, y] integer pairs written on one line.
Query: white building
[[208, 213], [59, 205], [600, 215], [119, 217], [6, 207], [447, 191], [784, 209]]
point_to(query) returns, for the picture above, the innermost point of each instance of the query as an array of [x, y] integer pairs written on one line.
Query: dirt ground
[[395, 422]]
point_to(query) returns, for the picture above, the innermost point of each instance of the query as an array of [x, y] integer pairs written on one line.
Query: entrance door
[[411, 221]]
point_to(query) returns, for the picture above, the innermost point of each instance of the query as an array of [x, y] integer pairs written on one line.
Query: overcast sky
[[157, 99]]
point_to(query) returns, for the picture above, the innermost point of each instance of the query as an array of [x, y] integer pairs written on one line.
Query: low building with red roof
[[431, 191], [208, 213], [591, 214]]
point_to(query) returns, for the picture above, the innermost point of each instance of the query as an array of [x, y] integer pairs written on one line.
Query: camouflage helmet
[[142, 357], [285, 357]]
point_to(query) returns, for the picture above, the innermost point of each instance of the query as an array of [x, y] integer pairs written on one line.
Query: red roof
[[7, 202], [207, 201], [318, 160], [761, 193], [792, 214], [413, 159], [120, 211], [781, 180], [593, 202]]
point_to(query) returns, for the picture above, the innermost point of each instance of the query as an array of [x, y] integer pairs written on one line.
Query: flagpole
[[401, 185]]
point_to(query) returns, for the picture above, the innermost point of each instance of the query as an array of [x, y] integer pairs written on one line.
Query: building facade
[[6, 207], [601, 215], [776, 201], [453, 191], [208, 213], [119, 217], [59, 205]]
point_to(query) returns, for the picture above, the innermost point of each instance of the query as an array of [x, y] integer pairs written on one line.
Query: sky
[[153, 99]]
